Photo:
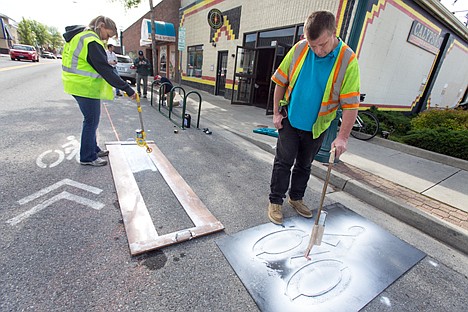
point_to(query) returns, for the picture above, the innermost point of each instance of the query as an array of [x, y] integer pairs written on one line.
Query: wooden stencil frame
[[141, 232]]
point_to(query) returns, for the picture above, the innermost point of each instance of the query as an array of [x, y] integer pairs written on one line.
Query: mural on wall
[[230, 27], [402, 32]]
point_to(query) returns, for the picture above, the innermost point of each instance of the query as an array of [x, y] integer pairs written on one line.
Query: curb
[[436, 228], [419, 152]]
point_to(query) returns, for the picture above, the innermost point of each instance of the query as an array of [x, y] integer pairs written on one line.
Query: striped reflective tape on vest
[[76, 53], [338, 75]]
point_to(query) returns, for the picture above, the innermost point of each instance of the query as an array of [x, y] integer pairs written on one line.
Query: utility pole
[[153, 38]]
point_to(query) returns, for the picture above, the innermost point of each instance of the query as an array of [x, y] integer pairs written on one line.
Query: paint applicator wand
[[140, 133], [319, 225]]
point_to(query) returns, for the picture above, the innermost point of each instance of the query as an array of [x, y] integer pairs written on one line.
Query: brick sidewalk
[[435, 208]]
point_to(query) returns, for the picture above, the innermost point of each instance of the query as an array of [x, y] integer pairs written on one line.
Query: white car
[[125, 68]]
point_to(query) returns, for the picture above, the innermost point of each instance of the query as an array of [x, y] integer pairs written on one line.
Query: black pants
[[294, 147]]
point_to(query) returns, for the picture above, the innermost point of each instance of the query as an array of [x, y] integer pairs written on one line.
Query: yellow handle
[[137, 97]]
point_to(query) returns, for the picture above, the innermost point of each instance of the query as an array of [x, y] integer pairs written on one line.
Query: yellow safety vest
[[78, 76], [342, 87]]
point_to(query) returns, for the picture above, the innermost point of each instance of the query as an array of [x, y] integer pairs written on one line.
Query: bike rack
[[171, 103], [152, 91], [199, 105]]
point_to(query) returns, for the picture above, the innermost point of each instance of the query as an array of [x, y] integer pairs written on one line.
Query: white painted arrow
[[55, 186], [64, 195]]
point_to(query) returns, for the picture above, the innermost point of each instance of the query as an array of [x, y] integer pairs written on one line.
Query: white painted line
[[64, 195], [48, 189]]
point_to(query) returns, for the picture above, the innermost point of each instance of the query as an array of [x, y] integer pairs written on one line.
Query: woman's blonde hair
[[96, 24]]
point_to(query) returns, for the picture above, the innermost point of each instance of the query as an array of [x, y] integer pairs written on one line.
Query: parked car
[[49, 55], [125, 68], [24, 52], [59, 56]]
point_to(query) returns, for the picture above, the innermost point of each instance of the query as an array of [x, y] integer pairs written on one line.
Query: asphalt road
[[70, 252]]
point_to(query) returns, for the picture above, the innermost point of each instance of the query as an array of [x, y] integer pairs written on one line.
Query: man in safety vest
[[88, 76], [318, 75]]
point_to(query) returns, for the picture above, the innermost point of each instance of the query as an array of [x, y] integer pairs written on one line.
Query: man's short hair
[[317, 23], [110, 45]]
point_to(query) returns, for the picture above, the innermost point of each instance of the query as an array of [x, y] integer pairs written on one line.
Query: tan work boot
[[274, 213], [300, 207]]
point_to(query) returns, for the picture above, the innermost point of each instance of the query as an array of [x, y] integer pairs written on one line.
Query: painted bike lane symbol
[[52, 158]]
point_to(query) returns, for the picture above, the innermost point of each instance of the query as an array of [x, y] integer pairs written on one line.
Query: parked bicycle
[[365, 127]]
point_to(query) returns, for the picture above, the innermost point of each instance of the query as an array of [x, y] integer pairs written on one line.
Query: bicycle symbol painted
[[52, 158]]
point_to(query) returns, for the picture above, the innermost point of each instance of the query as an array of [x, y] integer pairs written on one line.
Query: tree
[[25, 33], [33, 33], [42, 35], [56, 39], [128, 4]]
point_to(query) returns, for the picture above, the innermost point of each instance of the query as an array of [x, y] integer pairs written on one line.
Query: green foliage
[[445, 118], [394, 122], [42, 35], [442, 141], [26, 34], [36, 34], [443, 131], [128, 4]]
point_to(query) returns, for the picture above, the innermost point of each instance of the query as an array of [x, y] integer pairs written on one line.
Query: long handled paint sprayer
[[140, 133], [319, 225]]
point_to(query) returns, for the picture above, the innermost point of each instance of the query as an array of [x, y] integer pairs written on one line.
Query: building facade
[[8, 33], [165, 13], [412, 53]]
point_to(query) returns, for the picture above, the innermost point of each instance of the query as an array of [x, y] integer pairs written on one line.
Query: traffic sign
[[181, 42]]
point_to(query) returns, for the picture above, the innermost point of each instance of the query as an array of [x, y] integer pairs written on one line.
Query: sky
[[61, 13], [460, 5]]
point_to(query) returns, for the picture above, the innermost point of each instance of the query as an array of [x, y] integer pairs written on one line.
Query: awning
[[164, 32]]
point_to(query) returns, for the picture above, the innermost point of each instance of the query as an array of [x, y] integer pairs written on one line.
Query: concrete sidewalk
[[426, 190]]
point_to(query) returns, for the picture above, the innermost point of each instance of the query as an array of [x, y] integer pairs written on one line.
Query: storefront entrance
[[252, 75], [221, 72]]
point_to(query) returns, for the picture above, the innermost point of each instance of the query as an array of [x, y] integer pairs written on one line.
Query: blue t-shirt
[[307, 94]]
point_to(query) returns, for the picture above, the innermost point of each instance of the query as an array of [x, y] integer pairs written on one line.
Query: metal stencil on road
[[356, 261]]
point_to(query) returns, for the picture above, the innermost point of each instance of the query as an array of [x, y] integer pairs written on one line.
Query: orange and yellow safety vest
[[342, 89]]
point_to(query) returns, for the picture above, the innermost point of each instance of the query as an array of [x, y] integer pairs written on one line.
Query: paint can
[[139, 133], [187, 120]]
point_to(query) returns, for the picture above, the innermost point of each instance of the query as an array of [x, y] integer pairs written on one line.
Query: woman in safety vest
[[87, 76]]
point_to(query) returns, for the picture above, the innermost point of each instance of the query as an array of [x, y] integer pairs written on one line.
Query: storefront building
[[412, 53], [138, 37], [408, 50], [8, 33]]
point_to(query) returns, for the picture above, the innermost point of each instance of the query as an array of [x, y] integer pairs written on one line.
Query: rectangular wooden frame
[[141, 232]]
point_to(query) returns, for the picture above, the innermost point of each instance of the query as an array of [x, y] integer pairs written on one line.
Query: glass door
[[244, 76], [280, 52]]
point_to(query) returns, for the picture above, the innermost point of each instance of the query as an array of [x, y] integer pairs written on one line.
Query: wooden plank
[[142, 235], [176, 237], [137, 221], [194, 207]]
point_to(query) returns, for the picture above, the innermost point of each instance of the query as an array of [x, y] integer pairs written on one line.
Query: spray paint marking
[[63, 195]]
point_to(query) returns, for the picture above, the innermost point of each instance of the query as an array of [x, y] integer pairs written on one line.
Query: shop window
[[195, 61], [163, 62], [284, 36], [250, 40], [299, 34]]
